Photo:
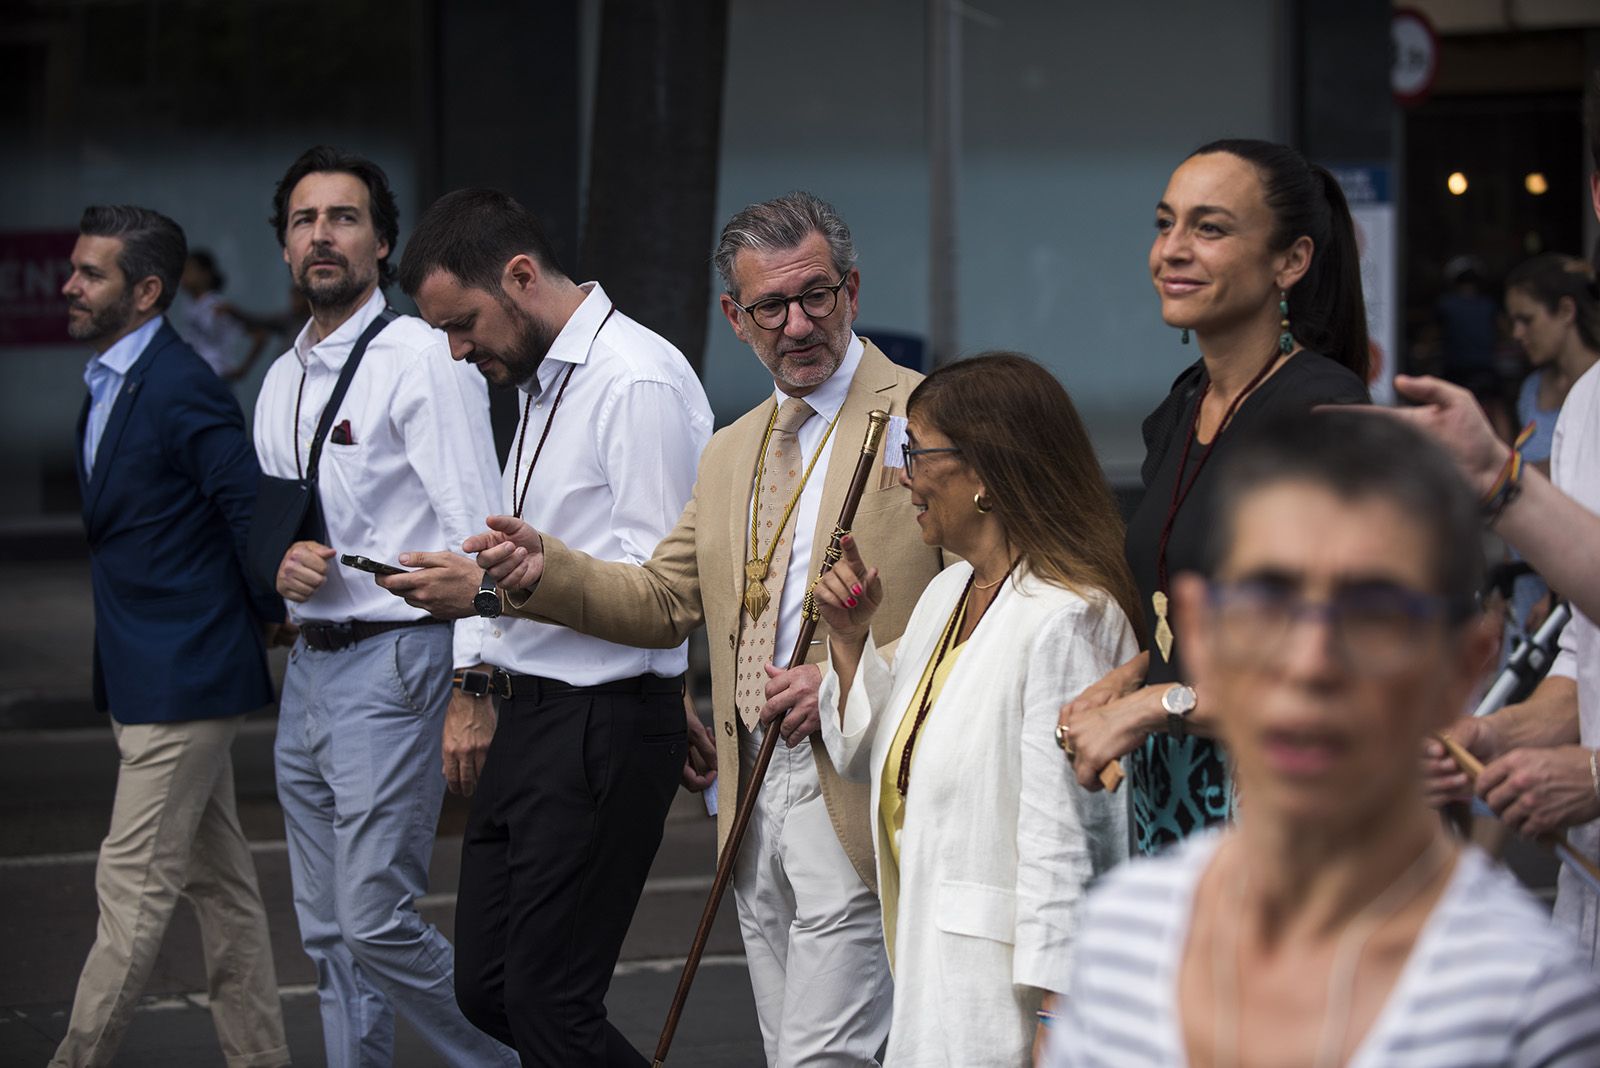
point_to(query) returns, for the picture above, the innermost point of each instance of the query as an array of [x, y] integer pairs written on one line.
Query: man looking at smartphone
[[568, 814], [409, 461]]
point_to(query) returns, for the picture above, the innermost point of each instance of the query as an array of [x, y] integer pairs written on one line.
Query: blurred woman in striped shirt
[[1338, 923]]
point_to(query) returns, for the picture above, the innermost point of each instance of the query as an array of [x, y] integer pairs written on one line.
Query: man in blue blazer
[[169, 480]]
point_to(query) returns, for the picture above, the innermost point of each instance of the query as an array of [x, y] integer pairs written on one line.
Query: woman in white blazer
[[985, 842]]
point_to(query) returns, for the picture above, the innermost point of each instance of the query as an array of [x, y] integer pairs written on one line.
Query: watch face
[[474, 683], [486, 603], [1178, 700]]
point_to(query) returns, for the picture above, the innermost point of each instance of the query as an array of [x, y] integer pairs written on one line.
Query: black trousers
[[564, 825]]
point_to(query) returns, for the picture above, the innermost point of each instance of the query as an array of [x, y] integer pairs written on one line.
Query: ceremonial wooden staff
[[1557, 843], [876, 421]]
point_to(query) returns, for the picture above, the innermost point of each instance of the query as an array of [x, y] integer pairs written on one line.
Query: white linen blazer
[[999, 842]]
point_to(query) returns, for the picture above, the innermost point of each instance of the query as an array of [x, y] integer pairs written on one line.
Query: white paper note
[[894, 436]]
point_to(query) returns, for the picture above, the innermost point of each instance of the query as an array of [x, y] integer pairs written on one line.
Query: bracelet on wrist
[[1508, 486]]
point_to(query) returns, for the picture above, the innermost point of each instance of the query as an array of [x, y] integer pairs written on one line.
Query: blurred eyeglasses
[[1377, 626]]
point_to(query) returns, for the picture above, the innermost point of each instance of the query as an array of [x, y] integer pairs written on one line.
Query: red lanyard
[[1180, 490]]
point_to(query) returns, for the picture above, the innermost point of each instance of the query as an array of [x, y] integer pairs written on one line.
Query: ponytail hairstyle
[[1327, 313], [1552, 278]]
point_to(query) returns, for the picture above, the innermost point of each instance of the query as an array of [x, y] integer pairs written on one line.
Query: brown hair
[[1551, 278], [1017, 429]]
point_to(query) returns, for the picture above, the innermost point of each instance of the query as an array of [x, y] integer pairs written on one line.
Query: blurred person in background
[[265, 328], [1255, 254], [169, 485], [1469, 327], [207, 322], [1555, 318]]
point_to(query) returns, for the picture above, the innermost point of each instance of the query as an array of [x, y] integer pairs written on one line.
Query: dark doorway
[[1517, 163]]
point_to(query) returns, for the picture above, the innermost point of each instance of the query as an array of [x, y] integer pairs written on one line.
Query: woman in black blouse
[[1255, 256]]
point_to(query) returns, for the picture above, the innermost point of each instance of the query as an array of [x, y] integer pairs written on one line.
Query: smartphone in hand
[[372, 567]]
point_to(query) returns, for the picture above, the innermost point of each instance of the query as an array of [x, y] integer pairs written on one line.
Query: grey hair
[[783, 223], [152, 244]]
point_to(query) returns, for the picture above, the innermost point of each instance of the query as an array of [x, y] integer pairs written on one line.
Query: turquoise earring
[[1285, 339]]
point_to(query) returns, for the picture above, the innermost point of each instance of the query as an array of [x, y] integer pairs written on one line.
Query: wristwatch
[[1179, 701], [486, 602], [472, 683]]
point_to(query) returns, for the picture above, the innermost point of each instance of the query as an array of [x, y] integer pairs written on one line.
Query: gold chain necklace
[[991, 585], [756, 597]]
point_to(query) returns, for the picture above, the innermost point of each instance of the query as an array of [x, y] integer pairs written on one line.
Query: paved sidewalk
[[718, 1030], [58, 765]]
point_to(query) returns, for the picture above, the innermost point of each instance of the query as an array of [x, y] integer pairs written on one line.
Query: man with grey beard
[[407, 462]]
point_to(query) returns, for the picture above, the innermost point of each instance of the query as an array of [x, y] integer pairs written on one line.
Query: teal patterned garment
[[1180, 785]]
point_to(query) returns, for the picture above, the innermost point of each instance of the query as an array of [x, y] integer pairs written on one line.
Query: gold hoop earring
[[977, 502]]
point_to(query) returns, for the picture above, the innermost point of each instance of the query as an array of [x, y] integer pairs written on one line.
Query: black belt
[[331, 637], [511, 687]]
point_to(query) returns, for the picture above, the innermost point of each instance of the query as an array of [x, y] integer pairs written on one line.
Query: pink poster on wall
[[33, 267]]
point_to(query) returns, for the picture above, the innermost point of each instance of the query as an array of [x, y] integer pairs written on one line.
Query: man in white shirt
[[585, 758], [804, 881], [409, 462], [1542, 755]]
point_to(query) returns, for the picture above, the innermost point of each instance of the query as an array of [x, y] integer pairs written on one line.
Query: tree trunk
[[648, 227]]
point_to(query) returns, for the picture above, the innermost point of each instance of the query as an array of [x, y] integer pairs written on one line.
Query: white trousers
[[813, 935]]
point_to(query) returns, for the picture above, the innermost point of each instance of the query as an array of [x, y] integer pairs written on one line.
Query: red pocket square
[[341, 434]]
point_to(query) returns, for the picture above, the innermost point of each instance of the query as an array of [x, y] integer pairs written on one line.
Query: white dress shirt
[[214, 334], [1575, 469], [826, 400], [103, 376], [419, 475], [615, 473]]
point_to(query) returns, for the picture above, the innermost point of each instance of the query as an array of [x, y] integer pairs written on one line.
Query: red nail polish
[[856, 590], [851, 603]]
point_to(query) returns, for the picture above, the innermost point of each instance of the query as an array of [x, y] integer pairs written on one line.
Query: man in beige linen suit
[[804, 883]]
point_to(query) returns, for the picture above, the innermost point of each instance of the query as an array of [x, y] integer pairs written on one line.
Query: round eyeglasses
[[817, 302]]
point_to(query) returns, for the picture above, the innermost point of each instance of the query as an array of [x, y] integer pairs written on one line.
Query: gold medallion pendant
[[755, 590], [1163, 630]]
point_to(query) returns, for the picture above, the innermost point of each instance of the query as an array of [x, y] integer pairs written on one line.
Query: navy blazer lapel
[[118, 421], [83, 472]]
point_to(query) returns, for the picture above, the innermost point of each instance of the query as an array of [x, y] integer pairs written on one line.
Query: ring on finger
[[1064, 740]]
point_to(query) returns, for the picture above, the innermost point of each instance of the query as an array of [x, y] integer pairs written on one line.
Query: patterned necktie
[[780, 481]]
